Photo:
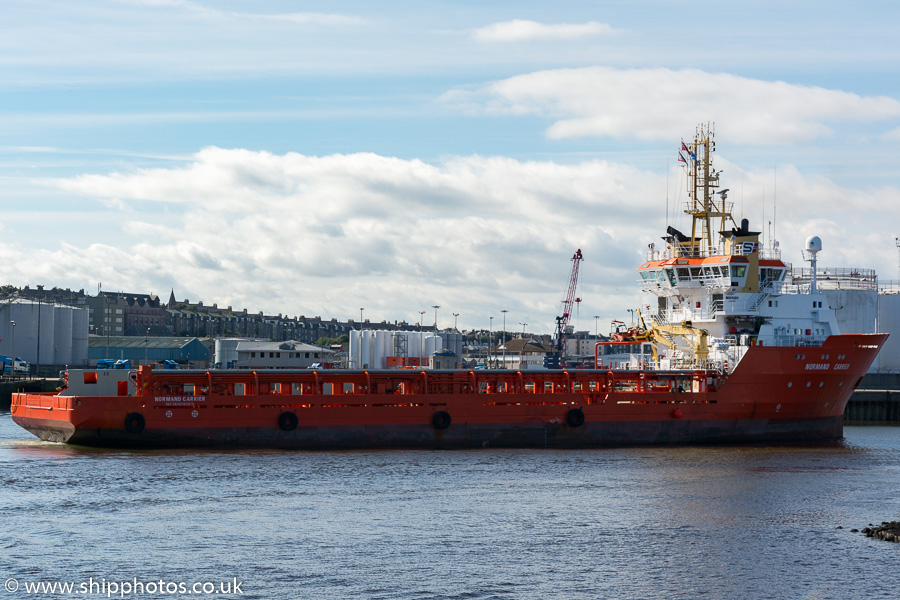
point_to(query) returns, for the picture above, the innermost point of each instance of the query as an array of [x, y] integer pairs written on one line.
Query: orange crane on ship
[[562, 322]]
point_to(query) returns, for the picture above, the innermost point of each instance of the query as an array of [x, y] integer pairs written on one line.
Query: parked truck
[[13, 366]]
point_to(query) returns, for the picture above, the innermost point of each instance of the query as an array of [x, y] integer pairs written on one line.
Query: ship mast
[[705, 202]]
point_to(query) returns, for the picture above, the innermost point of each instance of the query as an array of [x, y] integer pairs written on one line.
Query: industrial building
[[254, 354], [189, 352]]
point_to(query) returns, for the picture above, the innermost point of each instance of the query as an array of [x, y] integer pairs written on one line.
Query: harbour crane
[[562, 322]]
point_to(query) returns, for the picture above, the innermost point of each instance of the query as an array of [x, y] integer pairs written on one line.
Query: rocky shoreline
[[887, 531]]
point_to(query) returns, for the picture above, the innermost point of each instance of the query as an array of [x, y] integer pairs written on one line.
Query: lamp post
[[435, 307], [522, 353], [13, 323], [421, 319], [455, 321], [504, 311], [147, 347], [37, 368], [106, 322], [359, 361], [596, 326], [490, 341]]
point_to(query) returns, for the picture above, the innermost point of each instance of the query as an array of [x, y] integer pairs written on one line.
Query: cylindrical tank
[[354, 349], [431, 342], [25, 331], [384, 348], [888, 360], [80, 326], [62, 335], [46, 333], [226, 352]]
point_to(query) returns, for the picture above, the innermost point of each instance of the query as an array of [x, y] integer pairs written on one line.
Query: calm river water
[[703, 522]]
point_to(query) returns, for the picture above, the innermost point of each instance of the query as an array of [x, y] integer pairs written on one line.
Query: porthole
[[821, 383], [809, 384], [790, 383], [840, 384]]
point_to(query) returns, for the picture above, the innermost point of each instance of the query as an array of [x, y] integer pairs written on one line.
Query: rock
[[887, 531]]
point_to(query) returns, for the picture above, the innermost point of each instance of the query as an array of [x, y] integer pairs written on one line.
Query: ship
[[729, 347]]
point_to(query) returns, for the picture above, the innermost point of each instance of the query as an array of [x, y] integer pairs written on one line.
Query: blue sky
[[312, 159]]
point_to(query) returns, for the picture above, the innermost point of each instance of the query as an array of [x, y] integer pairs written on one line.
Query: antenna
[[667, 192], [813, 246], [897, 241]]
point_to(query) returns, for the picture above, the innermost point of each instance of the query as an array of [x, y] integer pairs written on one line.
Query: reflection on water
[[699, 522]]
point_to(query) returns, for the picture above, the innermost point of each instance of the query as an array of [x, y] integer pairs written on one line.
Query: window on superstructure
[[684, 274], [738, 271], [670, 273]]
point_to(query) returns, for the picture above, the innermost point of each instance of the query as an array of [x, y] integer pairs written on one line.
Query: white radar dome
[[813, 244]]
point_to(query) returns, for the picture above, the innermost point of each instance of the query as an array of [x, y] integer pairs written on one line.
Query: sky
[[313, 159]]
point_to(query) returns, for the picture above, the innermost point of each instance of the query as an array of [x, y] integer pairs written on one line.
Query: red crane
[[562, 322]]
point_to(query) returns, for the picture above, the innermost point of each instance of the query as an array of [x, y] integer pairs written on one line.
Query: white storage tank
[[383, 348], [888, 360], [62, 336], [80, 326], [46, 333]]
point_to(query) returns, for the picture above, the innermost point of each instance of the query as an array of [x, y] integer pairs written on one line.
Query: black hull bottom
[[462, 436]]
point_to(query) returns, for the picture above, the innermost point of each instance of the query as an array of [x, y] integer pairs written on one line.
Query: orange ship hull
[[776, 394]]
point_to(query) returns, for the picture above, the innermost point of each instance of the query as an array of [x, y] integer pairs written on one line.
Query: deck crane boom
[[562, 322]]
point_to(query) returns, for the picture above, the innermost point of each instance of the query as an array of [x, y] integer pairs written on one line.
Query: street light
[[455, 321], [13, 323], [490, 341], [359, 361], [596, 326], [435, 307], [421, 319], [504, 311], [147, 347]]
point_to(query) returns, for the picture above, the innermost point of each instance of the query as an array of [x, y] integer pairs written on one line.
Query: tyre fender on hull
[[441, 419], [287, 421], [575, 417], [134, 423]]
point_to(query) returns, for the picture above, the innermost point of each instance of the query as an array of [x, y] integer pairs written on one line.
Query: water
[[707, 522]]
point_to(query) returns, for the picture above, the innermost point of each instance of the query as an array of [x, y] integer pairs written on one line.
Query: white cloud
[[198, 9], [652, 104], [525, 31], [325, 235]]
